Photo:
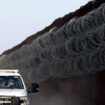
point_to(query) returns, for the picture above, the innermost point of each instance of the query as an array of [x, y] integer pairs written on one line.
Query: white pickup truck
[[12, 88]]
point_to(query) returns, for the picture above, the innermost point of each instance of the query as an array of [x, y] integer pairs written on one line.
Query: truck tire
[[15, 101]]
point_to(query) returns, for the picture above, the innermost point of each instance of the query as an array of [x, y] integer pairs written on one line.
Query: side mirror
[[34, 88]]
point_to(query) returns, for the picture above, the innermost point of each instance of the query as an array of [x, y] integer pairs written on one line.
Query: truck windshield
[[8, 82]]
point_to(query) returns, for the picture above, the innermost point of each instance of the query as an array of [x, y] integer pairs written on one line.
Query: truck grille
[[5, 100]]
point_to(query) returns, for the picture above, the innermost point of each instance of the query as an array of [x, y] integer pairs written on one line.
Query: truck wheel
[[15, 101]]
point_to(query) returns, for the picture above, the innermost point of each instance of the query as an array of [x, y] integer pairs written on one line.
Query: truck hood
[[13, 92]]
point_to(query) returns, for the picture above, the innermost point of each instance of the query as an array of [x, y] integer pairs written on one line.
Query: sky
[[21, 18]]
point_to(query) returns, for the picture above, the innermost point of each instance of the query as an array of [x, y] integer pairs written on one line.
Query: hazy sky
[[22, 18]]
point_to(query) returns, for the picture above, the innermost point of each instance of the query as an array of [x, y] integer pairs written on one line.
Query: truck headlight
[[24, 100]]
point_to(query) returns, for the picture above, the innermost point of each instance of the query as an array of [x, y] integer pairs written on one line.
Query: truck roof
[[9, 72]]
